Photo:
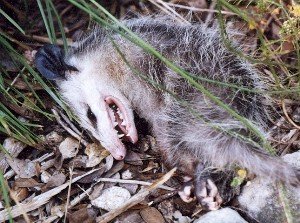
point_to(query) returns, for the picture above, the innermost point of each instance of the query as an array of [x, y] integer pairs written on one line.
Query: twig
[[139, 197], [164, 197], [37, 201], [290, 143], [171, 13], [73, 202], [287, 116], [199, 10], [69, 130], [47, 40], [132, 182], [67, 120], [210, 14]]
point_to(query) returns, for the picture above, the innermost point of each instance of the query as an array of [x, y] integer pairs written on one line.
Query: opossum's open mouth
[[120, 120]]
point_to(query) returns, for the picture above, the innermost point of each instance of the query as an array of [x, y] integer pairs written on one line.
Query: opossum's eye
[[91, 117]]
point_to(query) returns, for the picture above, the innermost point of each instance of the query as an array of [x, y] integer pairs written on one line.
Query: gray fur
[[182, 137]]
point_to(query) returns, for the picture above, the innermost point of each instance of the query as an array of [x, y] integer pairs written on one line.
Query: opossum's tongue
[[122, 120]]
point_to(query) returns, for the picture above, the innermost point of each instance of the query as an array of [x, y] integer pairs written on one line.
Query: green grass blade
[[47, 26], [12, 21]]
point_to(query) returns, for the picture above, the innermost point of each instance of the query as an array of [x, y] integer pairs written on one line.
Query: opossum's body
[[99, 78]]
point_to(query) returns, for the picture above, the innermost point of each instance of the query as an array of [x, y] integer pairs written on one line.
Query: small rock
[[112, 198], [69, 147], [179, 218], [54, 137], [224, 215], [45, 176], [261, 199], [127, 175], [293, 159]]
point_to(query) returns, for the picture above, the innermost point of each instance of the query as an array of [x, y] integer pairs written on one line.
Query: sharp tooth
[[115, 124], [120, 136], [124, 123], [121, 115], [128, 134]]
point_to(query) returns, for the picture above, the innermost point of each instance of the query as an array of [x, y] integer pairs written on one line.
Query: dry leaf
[[97, 190], [152, 215], [55, 181], [110, 184], [20, 193], [152, 165], [23, 168], [57, 211], [109, 161], [54, 137], [13, 148], [116, 168], [69, 147], [131, 216], [83, 215], [96, 153], [132, 188], [134, 158], [167, 209], [21, 182], [80, 161]]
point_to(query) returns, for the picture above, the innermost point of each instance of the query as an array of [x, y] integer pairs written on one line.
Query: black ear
[[49, 60]]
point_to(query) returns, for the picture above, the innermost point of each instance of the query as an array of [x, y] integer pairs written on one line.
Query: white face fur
[[100, 106]]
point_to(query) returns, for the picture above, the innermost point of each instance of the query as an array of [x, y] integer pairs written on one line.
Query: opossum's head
[[101, 107]]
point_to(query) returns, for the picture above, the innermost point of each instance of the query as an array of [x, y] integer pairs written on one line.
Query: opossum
[[96, 78]]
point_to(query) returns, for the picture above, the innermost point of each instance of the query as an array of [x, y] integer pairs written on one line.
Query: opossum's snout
[[121, 120], [49, 61], [117, 124]]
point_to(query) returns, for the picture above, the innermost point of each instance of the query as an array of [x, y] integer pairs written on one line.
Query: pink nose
[[120, 157], [119, 153]]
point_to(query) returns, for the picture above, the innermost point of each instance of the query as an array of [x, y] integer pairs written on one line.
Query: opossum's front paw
[[207, 194], [186, 192]]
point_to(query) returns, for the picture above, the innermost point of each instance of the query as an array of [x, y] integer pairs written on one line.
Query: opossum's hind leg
[[203, 188]]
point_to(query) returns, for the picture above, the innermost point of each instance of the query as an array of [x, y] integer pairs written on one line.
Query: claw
[[186, 192], [207, 194]]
